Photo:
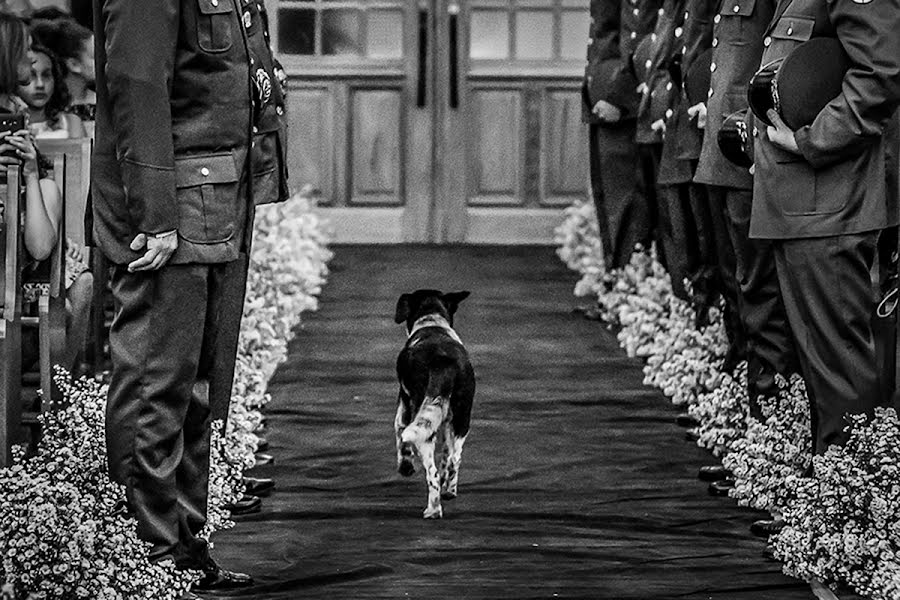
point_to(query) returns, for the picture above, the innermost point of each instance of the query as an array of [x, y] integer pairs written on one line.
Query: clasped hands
[[606, 112], [159, 248]]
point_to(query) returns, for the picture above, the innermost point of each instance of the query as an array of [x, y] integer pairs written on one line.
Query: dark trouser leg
[[678, 235], [155, 342], [649, 156], [828, 296], [884, 322], [212, 394], [725, 278], [770, 344], [622, 211]]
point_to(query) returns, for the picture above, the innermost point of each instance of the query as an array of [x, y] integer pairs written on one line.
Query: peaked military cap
[[735, 141], [697, 78], [801, 84]]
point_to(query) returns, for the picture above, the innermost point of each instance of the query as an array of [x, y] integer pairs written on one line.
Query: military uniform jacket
[[658, 88], [617, 26], [837, 185], [683, 138], [186, 89], [738, 34]]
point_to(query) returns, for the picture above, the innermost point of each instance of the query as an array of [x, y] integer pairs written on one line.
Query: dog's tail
[[435, 407]]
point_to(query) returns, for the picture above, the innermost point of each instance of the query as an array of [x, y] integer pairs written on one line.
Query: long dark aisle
[[575, 481]]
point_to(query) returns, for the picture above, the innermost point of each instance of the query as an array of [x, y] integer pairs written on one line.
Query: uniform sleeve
[[871, 89], [609, 75], [141, 38]]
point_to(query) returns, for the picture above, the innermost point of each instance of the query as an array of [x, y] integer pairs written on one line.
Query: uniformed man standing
[[738, 42], [820, 195], [188, 137], [610, 100]]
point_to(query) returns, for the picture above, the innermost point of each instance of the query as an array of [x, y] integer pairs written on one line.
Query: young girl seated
[[47, 98], [43, 204]]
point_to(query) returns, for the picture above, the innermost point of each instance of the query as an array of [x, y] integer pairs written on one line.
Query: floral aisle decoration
[[580, 248], [843, 525], [774, 450], [63, 531]]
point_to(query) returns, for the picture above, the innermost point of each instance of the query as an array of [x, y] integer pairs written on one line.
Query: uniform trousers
[[718, 275], [767, 333], [620, 197], [829, 299], [173, 343], [680, 236]]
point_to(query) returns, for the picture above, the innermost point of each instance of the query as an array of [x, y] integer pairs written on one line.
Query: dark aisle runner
[[575, 481]]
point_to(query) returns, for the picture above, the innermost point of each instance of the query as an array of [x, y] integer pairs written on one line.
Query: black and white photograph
[[444, 299]]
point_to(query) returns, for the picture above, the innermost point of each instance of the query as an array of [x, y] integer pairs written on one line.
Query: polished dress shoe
[[262, 445], [686, 420], [721, 487], [215, 579], [691, 435], [264, 459], [259, 487], [769, 553], [245, 506], [713, 473], [766, 527]]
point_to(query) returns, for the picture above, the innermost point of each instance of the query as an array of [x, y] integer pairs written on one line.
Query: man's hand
[[160, 249], [699, 111], [607, 112], [659, 125], [781, 135]]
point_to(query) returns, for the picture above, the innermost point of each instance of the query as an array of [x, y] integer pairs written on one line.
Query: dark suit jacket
[[737, 48], [837, 185], [617, 26], [183, 89]]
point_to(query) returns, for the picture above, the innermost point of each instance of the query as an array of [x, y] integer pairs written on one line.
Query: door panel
[[437, 120]]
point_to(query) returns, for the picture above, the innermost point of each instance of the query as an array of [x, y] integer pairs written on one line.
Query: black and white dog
[[437, 388]]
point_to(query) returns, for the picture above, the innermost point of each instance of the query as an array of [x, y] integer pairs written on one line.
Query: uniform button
[[636, 12], [648, 64], [717, 18], [715, 42], [709, 94], [279, 110], [678, 32], [653, 37], [755, 131], [686, 15], [590, 79], [255, 129], [669, 87], [712, 68], [767, 42], [204, 171], [661, 12], [684, 49], [790, 30], [736, 8], [633, 34], [669, 113], [214, 2]]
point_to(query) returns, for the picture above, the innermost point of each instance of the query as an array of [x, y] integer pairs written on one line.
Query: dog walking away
[[437, 388]]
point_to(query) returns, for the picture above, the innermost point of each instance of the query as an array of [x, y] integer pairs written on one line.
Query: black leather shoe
[[245, 506], [713, 473], [215, 578], [691, 435], [686, 420], [264, 459], [769, 553], [262, 445], [258, 487], [720, 488], [766, 527]]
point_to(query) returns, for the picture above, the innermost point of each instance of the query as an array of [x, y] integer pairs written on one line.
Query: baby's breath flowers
[[63, 535]]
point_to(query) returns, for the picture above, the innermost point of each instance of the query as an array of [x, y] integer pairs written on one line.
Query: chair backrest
[[52, 308], [11, 245], [77, 153]]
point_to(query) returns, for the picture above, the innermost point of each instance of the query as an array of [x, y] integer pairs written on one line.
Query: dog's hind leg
[[434, 509], [405, 464], [447, 470], [451, 489]]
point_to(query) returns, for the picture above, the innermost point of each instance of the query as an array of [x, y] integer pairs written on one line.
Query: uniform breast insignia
[[263, 86]]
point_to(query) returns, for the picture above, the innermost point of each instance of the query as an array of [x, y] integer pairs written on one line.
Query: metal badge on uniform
[[263, 86]]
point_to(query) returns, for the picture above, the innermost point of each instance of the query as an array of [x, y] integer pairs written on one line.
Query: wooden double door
[[444, 121]]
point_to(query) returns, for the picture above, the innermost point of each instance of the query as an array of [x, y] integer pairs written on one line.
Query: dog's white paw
[[434, 513]]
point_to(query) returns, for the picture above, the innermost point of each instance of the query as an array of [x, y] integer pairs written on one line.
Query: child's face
[[40, 86]]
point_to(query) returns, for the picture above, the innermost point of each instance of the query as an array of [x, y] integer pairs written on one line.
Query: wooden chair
[[11, 244], [77, 153]]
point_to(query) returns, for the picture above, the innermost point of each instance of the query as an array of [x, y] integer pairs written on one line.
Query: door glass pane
[[575, 29], [534, 35], [297, 31], [340, 32], [489, 34], [385, 34]]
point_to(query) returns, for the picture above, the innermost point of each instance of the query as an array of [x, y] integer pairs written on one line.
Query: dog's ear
[[453, 299], [403, 309]]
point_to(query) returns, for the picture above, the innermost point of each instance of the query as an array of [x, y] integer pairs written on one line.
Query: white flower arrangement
[[844, 523], [62, 533]]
